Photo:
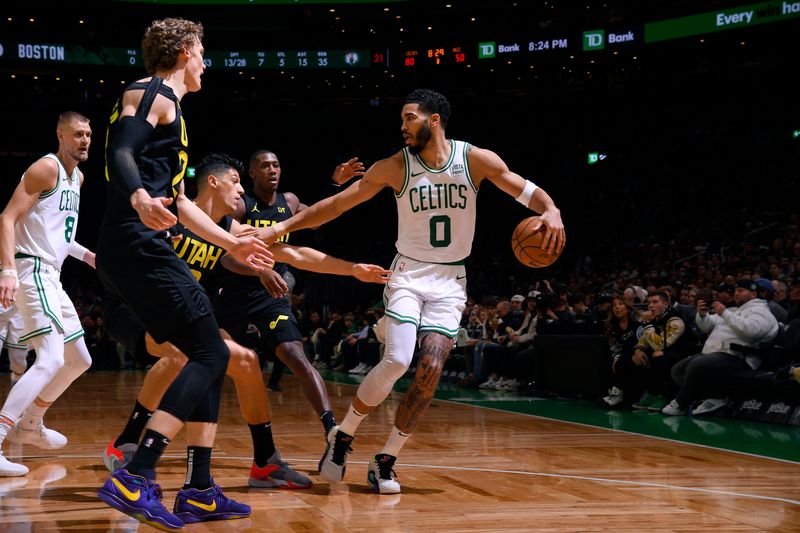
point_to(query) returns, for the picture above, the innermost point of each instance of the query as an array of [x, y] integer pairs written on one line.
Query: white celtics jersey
[[47, 230], [436, 208]]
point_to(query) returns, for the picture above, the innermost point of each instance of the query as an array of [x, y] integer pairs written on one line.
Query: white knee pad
[[76, 361], [401, 340], [49, 353], [76, 354]]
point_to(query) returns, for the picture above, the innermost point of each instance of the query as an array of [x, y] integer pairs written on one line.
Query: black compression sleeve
[[131, 135]]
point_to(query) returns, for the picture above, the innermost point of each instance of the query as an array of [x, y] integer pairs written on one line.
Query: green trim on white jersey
[[406, 173], [446, 165], [467, 147]]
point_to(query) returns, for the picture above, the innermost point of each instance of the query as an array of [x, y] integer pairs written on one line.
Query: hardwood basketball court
[[467, 468]]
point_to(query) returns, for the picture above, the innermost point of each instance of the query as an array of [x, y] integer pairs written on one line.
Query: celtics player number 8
[[69, 228]]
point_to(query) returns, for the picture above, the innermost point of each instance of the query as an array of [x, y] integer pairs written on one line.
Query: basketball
[[527, 244]]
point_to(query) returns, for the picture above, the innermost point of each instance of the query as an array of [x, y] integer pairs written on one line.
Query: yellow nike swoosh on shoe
[[132, 496], [203, 506]]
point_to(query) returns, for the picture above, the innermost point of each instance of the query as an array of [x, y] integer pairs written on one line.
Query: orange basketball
[[527, 244]]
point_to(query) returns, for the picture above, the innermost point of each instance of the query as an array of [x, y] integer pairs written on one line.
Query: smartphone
[[706, 295]]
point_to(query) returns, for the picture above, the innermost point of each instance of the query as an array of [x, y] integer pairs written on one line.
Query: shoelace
[[386, 470], [341, 448], [223, 500], [278, 461], [153, 491]]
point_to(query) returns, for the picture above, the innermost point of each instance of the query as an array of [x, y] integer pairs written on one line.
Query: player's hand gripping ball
[[527, 244]]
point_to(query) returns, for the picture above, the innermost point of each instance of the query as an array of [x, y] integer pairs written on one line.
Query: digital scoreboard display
[[301, 59], [31, 53], [451, 55]]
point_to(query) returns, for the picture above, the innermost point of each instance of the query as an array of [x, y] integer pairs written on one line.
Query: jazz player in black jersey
[[146, 160], [242, 299], [219, 193]]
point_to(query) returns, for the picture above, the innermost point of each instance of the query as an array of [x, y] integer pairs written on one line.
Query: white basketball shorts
[[11, 327], [42, 302], [431, 296]]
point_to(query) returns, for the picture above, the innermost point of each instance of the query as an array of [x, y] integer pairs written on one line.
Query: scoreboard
[[451, 55], [34, 53], [301, 59]]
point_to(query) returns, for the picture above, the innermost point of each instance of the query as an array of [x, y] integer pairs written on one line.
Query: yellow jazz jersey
[[47, 230], [436, 208]]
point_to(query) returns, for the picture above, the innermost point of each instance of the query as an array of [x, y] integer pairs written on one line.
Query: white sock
[[6, 425], [34, 414], [397, 439], [351, 421]]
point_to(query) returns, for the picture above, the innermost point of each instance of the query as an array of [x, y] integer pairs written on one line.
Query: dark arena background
[[668, 134]]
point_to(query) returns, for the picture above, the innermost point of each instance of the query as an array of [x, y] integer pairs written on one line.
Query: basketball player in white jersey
[[37, 230], [435, 181]]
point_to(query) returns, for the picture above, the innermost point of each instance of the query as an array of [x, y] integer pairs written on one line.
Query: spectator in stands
[[474, 327], [683, 298], [794, 296], [711, 373], [561, 304], [523, 354], [516, 316], [492, 331], [691, 299], [781, 294], [766, 292], [583, 320], [330, 337], [634, 295], [312, 329], [622, 331], [663, 343], [468, 309], [723, 293], [348, 353], [547, 321], [499, 359], [367, 345]]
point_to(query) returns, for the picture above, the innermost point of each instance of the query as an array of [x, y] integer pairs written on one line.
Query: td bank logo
[[594, 40], [486, 50]]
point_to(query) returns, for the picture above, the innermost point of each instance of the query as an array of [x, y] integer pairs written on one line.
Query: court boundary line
[[494, 471], [583, 424]]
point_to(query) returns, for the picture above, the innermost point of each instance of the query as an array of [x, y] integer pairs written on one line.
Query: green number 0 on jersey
[[435, 221]]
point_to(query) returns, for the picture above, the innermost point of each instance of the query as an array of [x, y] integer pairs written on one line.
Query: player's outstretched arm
[[313, 260], [381, 174], [248, 249], [485, 164], [42, 176]]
